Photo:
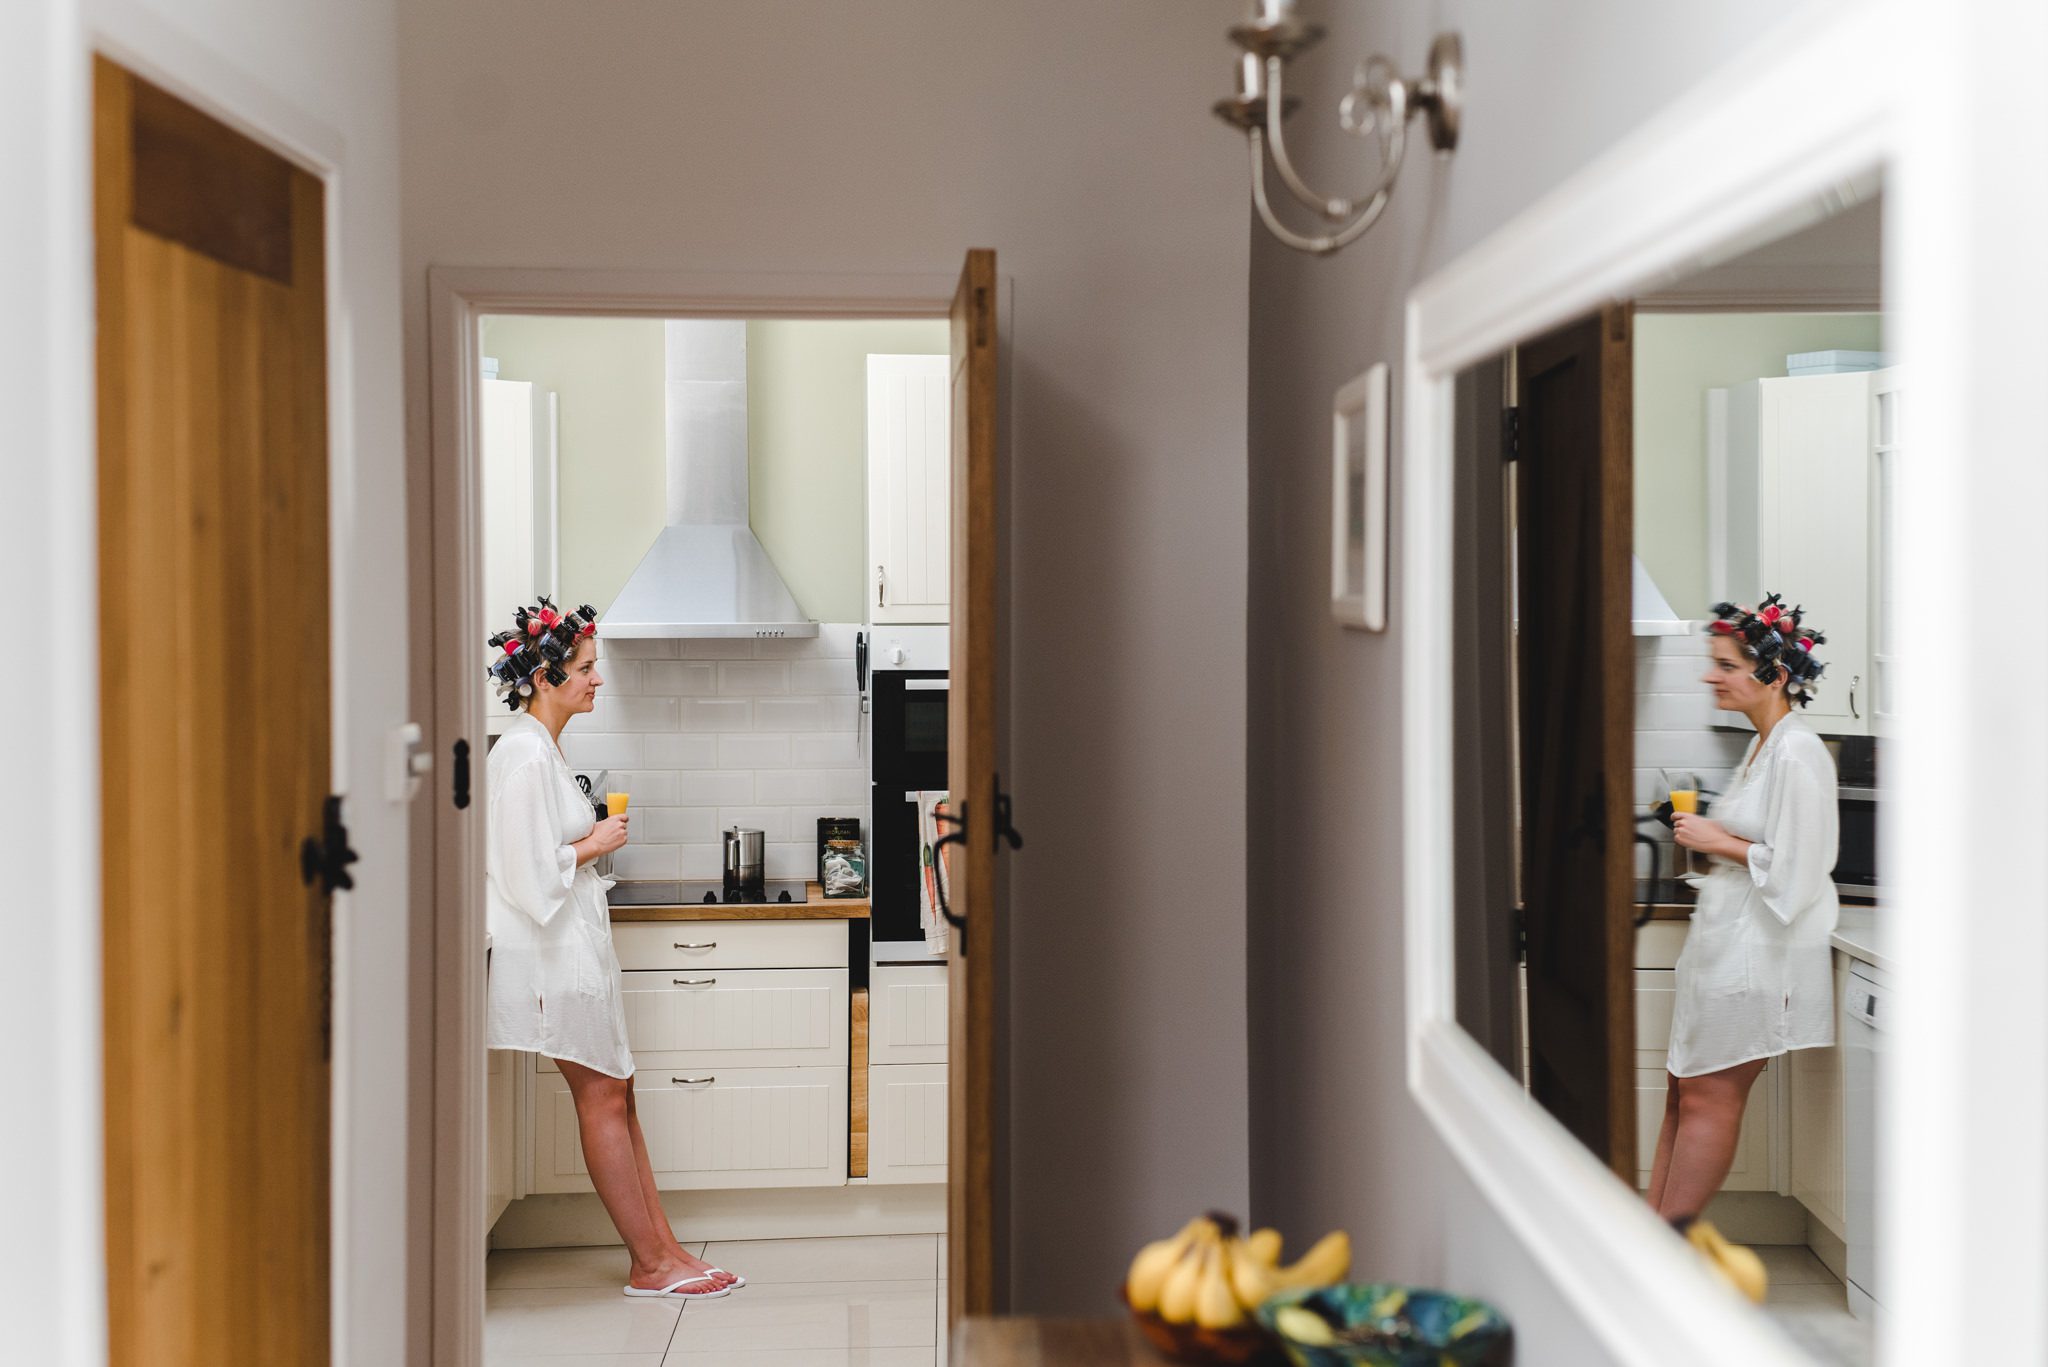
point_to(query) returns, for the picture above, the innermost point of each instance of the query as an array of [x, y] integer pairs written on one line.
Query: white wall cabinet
[[1887, 448], [521, 556], [1796, 474], [910, 482]]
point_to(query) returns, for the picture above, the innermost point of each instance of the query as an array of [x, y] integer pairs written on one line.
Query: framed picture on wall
[[1358, 512]]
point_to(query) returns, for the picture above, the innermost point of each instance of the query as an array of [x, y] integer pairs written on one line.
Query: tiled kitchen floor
[[865, 1302], [1812, 1306]]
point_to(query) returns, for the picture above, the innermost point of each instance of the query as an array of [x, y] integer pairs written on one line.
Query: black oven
[[1856, 860], [909, 756]]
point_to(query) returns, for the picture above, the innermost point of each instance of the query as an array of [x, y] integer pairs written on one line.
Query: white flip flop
[[737, 1280], [673, 1291]]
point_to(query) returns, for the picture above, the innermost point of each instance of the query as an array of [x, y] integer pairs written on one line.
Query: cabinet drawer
[[907, 1123], [742, 1127], [735, 1018], [907, 1014], [730, 944]]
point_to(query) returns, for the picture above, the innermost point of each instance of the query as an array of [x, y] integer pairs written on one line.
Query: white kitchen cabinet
[[907, 1014], [907, 1123], [1751, 1169], [1789, 511], [501, 1133], [910, 509], [736, 1018], [727, 1127], [1887, 448], [1816, 1092], [519, 513]]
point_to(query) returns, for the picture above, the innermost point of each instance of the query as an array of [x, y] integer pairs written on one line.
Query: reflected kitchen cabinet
[[518, 497], [909, 488]]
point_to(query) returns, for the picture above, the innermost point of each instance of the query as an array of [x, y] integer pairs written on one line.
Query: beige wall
[[606, 374], [1678, 357], [807, 450]]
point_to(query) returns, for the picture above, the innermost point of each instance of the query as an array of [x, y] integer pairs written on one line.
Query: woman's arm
[[606, 836]]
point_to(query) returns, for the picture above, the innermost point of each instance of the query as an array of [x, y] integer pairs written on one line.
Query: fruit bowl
[[1385, 1325], [1248, 1346]]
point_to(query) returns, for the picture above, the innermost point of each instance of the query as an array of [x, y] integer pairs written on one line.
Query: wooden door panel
[[971, 783], [214, 734], [1576, 674]]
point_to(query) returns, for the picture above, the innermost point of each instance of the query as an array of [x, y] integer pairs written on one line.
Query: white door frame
[[459, 299], [1951, 120]]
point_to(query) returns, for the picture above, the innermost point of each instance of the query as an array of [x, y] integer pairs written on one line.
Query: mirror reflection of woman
[[1755, 979], [554, 980]]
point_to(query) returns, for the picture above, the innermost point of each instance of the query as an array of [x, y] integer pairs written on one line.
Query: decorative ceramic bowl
[[1249, 1346], [1389, 1325]]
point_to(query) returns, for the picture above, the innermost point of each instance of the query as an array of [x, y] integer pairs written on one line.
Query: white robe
[[554, 984], [1756, 977]]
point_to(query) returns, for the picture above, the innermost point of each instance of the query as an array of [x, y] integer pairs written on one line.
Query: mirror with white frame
[[1666, 926]]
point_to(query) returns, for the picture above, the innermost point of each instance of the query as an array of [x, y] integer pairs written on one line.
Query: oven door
[[909, 756], [1856, 855]]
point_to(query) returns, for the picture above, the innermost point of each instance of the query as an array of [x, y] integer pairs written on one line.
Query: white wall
[[1336, 1138], [318, 81], [855, 137]]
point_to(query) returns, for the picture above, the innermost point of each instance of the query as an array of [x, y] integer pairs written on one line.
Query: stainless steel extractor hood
[[706, 574], [1650, 612]]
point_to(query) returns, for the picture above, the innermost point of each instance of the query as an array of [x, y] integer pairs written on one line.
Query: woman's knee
[[602, 1096]]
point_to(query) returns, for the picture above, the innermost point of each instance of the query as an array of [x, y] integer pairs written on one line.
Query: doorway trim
[[459, 298], [1719, 168]]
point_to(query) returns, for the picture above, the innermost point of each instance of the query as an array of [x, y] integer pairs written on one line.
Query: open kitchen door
[[971, 781], [212, 397], [1576, 676]]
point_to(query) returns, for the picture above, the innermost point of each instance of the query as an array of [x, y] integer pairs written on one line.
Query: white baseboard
[[579, 1219], [1829, 1247]]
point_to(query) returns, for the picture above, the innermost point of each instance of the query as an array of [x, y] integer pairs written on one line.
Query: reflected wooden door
[[1576, 674], [971, 781], [214, 730]]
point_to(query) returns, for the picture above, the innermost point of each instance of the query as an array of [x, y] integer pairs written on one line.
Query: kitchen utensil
[[746, 877]]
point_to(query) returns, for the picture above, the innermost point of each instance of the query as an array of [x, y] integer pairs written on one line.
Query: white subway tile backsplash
[[714, 787], [719, 714], [753, 752], [827, 750], [752, 678], [684, 678], [822, 676], [636, 647], [1688, 749], [646, 861], [718, 648], [772, 822], [707, 734], [1674, 711], [599, 750], [809, 787], [682, 750]]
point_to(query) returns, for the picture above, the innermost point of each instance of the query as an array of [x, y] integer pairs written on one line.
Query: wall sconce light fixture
[[1379, 105]]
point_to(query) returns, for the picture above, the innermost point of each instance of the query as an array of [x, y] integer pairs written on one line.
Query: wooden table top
[[816, 907], [1023, 1341]]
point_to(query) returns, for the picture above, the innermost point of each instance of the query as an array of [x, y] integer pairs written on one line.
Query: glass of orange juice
[[615, 803], [1685, 799]]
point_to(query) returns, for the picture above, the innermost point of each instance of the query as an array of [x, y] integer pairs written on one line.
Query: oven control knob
[[896, 655]]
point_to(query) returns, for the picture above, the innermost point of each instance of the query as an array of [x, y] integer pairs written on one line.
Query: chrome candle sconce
[[1379, 106]]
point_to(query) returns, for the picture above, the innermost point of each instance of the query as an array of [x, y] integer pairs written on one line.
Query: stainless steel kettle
[[746, 877]]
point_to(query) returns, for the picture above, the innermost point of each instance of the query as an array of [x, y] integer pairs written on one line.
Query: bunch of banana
[[1207, 1275], [1740, 1267]]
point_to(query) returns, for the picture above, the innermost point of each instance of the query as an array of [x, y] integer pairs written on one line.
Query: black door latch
[[461, 776], [326, 857]]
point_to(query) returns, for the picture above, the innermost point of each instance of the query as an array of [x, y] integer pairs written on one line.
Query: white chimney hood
[[1651, 614], [706, 574]]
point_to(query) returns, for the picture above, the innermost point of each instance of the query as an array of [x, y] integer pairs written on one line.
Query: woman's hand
[[1708, 837], [605, 837]]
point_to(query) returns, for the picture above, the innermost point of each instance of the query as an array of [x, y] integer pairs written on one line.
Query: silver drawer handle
[[693, 982], [691, 1081], [711, 945]]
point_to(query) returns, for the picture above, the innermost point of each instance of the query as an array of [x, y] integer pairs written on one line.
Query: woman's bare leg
[[651, 1194], [603, 1121], [1667, 1135], [1709, 1126]]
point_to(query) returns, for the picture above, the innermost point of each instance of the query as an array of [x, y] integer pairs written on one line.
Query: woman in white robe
[[554, 985], [1755, 979]]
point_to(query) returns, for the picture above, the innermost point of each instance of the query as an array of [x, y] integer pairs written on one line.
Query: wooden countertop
[[817, 907], [1020, 1341]]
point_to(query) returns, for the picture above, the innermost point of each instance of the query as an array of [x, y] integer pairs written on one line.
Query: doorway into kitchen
[[758, 494]]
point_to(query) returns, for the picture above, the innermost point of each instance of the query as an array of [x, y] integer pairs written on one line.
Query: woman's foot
[[674, 1266]]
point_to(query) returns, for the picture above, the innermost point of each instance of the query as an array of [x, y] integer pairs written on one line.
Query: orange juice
[[615, 803], [1686, 800]]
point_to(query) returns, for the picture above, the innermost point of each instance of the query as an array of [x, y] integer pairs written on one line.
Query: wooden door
[[1576, 674], [214, 732], [971, 781]]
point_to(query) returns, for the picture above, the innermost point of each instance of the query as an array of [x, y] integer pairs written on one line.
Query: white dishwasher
[[1865, 1018]]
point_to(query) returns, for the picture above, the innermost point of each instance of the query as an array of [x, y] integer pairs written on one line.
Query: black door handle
[[461, 775]]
